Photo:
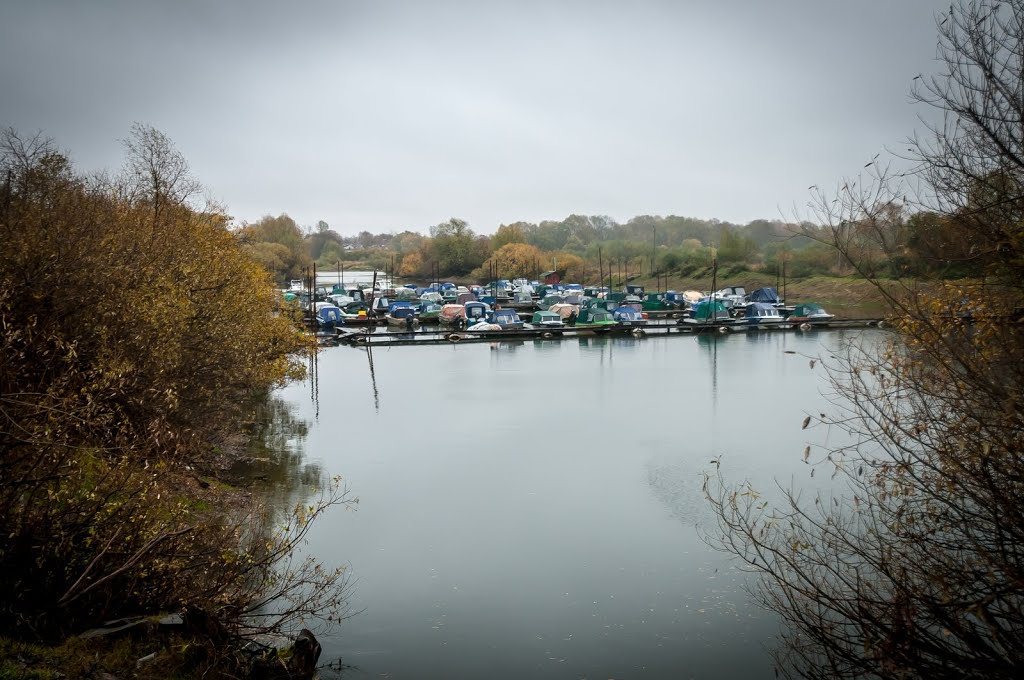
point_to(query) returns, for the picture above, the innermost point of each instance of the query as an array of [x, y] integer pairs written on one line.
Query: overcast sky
[[387, 115]]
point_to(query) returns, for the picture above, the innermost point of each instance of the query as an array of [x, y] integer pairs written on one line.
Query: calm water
[[532, 510]]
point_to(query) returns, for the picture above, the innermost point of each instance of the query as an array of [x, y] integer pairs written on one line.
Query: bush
[[135, 331]]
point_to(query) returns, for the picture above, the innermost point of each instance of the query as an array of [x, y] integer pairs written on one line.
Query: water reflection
[[507, 345], [312, 369], [542, 522], [709, 342], [276, 456], [373, 378], [599, 346], [547, 344]]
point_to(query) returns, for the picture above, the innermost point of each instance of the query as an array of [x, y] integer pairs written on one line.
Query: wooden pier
[[444, 336]]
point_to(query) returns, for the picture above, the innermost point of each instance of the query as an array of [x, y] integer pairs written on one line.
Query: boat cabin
[[476, 311], [328, 315], [506, 318], [628, 316], [654, 302], [633, 289], [547, 320], [759, 313]]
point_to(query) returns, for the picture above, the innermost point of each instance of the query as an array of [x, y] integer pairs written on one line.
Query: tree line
[[922, 243]]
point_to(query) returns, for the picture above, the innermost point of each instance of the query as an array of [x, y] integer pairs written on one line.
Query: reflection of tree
[[276, 454], [290, 495]]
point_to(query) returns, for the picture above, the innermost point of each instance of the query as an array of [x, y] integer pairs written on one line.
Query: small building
[[550, 278]]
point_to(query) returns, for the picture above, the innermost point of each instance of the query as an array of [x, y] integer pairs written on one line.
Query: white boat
[[762, 315]]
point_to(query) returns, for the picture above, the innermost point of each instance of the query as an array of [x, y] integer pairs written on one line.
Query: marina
[[375, 311], [441, 336]]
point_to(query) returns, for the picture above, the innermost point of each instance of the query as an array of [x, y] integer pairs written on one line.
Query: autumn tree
[[136, 333], [508, 233], [572, 266], [513, 260], [281, 230], [412, 265], [914, 567]]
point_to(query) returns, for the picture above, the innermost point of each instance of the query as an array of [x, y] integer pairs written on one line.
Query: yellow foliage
[[412, 265], [515, 260], [135, 328]]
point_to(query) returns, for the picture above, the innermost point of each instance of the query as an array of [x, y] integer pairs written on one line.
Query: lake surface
[[533, 509]]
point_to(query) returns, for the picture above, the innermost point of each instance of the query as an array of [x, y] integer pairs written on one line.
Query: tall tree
[[454, 249], [917, 569]]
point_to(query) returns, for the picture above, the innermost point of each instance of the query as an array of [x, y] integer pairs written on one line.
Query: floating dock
[[444, 336]]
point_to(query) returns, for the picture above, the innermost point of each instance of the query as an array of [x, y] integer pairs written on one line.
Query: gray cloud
[[394, 115]]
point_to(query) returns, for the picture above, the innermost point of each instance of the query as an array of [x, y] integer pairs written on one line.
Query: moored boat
[[709, 312], [508, 319], [762, 315], [594, 317], [565, 310], [452, 315], [402, 315], [546, 320], [656, 302], [810, 312], [476, 311], [428, 312], [328, 316], [627, 316], [767, 295]]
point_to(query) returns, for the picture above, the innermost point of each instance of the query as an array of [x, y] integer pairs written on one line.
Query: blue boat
[[402, 315], [476, 311], [768, 296], [627, 316], [762, 315], [328, 317], [508, 319]]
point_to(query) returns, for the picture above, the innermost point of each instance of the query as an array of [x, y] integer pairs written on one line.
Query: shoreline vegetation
[[137, 337]]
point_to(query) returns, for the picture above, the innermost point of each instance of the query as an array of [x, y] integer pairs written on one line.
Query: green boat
[[601, 303], [811, 313], [656, 302], [546, 320], [710, 312], [595, 317], [428, 312]]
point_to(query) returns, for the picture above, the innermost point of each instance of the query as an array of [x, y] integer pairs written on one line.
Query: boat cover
[[564, 309], [761, 309], [452, 312], [767, 295]]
